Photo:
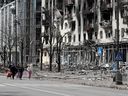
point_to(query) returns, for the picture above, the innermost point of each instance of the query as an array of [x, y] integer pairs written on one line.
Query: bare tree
[[9, 42]]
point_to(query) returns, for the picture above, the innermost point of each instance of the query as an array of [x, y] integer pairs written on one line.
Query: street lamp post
[[13, 9], [22, 52], [31, 55], [118, 74], [4, 55], [58, 46], [41, 53]]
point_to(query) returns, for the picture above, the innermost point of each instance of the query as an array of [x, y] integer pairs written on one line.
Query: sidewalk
[[89, 78], [86, 79]]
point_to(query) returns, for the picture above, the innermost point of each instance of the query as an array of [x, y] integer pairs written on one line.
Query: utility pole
[[59, 58], [59, 40], [22, 52], [41, 51], [4, 55], [118, 74], [48, 23], [51, 36], [15, 23]]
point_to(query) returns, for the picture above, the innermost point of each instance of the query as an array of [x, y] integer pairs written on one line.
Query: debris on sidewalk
[[87, 79]]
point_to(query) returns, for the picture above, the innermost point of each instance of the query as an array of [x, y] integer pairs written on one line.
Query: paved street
[[34, 87]]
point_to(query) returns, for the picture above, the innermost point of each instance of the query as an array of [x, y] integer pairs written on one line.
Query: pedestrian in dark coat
[[13, 70], [21, 70]]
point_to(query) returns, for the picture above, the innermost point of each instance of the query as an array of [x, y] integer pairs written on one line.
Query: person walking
[[29, 69], [20, 72], [13, 70]]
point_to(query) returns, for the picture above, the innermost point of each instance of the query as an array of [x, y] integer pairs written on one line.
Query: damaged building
[[90, 24]]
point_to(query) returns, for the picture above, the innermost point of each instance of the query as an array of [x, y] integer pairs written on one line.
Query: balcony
[[86, 11], [109, 5], [106, 7], [89, 11], [88, 27], [124, 2], [106, 24], [69, 4]]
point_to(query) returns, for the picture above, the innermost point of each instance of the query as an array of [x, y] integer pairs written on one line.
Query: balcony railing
[[124, 2]]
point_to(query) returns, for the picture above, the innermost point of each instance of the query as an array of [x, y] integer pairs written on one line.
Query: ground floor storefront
[[110, 52], [84, 55], [88, 56]]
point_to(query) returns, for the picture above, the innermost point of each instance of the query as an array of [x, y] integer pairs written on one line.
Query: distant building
[[6, 30], [28, 21]]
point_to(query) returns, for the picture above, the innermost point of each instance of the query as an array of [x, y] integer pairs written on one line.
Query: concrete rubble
[[83, 78]]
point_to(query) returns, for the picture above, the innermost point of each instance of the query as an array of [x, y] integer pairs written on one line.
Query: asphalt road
[[25, 87]]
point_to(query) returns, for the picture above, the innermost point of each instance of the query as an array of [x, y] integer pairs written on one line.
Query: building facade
[[92, 25], [6, 30], [28, 28]]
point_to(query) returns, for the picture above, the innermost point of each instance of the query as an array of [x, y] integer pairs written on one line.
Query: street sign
[[119, 57], [100, 51]]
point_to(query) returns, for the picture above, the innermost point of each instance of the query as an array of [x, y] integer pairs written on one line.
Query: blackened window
[[122, 32], [45, 53], [79, 37], [74, 38], [73, 23], [84, 36], [69, 38], [127, 31], [101, 34]]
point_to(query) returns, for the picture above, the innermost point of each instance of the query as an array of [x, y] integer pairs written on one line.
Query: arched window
[[69, 38], [45, 54], [101, 34], [66, 25], [84, 36]]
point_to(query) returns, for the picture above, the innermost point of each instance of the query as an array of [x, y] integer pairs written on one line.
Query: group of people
[[18, 71]]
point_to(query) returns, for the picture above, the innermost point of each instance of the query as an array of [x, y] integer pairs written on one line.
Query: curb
[[67, 80]]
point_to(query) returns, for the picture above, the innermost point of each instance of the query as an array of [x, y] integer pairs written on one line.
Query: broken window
[[84, 7], [90, 33], [125, 20], [69, 38], [66, 25], [126, 31], [79, 37], [84, 36], [96, 35], [101, 34], [90, 3], [108, 1], [73, 25], [45, 53], [46, 38], [116, 14], [108, 33], [122, 32], [106, 15]]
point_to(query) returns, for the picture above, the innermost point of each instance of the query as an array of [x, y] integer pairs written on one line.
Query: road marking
[[51, 85], [2, 85], [46, 91]]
